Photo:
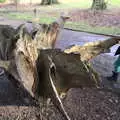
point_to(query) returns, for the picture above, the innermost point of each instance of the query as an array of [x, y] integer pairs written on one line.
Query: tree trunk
[[92, 49], [99, 5], [49, 2], [16, 2]]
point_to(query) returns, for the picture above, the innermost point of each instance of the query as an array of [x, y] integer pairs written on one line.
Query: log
[[47, 73], [18, 51], [7, 41], [92, 49], [34, 71], [20, 67], [58, 72], [70, 71], [46, 35]]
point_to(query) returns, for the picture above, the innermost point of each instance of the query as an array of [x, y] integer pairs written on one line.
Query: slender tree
[[16, 2]]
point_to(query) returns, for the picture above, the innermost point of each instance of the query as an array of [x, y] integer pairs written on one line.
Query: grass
[[72, 4], [78, 4], [86, 27], [72, 25], [19, 16], [65, 4], [114, 3]]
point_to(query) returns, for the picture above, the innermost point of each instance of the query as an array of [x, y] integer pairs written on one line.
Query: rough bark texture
[[20, 48], [49, 2], [21, 69], [70, 71], [56, 77], [92, 49], [7, 41], [99, 5], [68, 66], [38, 72]]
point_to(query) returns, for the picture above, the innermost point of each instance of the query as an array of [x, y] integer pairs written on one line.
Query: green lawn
[[82, 4], [46, 18], [114, 3], [86, 27], [78, 4], [72, 25]]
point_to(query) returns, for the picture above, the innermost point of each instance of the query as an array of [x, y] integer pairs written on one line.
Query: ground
[[81, 104]]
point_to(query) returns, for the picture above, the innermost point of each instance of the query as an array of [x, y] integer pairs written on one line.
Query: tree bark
[[99, 5], [69, 72], [49, 2], [92, 49], [45, 73]]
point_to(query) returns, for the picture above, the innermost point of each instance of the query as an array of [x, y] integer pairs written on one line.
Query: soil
[[81, 104], [107, 18]]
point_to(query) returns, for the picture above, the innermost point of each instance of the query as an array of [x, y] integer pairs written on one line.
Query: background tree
[[49, 2], [16, 2], [99, 5]]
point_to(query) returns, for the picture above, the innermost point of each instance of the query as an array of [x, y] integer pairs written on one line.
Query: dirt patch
[[105, 18], [90, 104], [81, 104], [12, 106]]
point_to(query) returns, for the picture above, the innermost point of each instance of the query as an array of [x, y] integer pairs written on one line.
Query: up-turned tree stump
[[70, 71], [49, 72]]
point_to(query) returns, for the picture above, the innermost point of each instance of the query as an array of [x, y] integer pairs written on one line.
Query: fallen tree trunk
[[70, 71], [7, 42], [18, 51], [21, 68], [56, 77], [36, 78], [92, 49], [50, 72]]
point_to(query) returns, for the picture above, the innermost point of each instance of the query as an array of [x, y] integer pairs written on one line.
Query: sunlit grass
[[114, 3], [44, 17], [72, 25], [20, 16], [97, 29], [68, 4], [81, 4]]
